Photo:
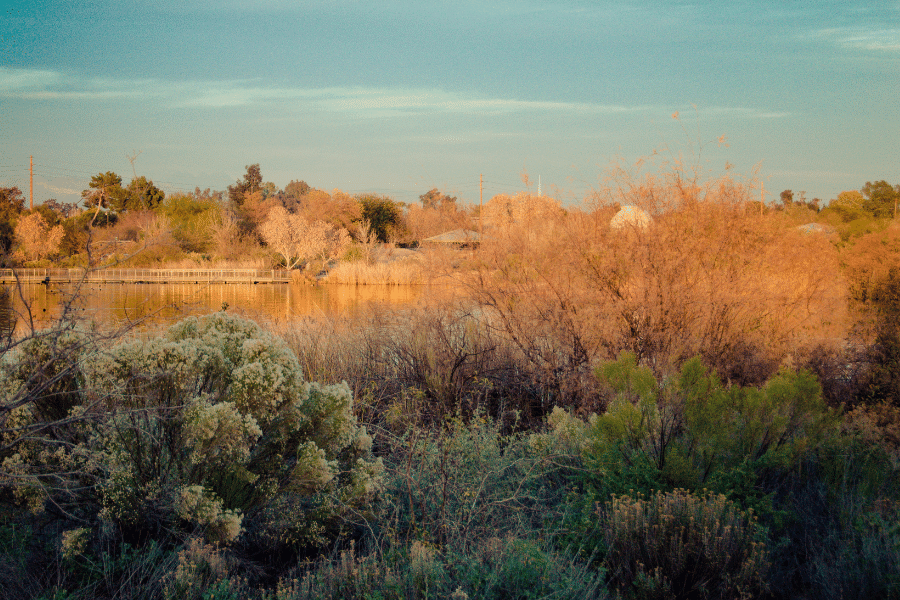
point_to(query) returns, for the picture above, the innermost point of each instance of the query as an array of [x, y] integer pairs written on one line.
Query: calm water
[[159, 304]]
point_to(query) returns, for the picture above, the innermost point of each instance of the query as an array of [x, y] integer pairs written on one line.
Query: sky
[[397, 97]]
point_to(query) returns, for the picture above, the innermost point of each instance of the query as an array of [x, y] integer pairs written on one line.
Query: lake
[[155, 304]]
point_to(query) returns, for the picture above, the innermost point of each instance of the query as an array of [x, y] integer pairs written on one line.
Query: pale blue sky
[[397, 97]]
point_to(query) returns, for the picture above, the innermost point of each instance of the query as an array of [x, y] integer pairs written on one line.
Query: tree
[[297, 239], [382, 213], [11, 204], [36, 238], [62, 209], [191, 220], [225, 234], [141, 194], [254, 211], [423, 222], [105, 191], [849, 205], [339, 208], [294, 195], [252, 182], [881, 199], [435, 199], [523, 209], [787, 198], [296, 189], [207, 194]]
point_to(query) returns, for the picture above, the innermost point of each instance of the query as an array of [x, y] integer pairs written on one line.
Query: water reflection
[[7, 317], [159, 304]]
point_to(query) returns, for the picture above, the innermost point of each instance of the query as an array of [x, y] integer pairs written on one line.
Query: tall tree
[[251, 182], [881, 198], [104, 191], [36, 238], [297, 239], [338, 208], [787, 198], [63, 209], [435, 199], [382, 213], [12, 202], [296, 189], [141, 194]]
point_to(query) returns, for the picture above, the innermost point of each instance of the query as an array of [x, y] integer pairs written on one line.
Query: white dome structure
[[630, 215]]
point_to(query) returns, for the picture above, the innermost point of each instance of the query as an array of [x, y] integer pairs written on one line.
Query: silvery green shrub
[[206, 429]]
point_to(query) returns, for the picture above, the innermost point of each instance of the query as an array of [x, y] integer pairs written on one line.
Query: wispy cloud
[[42, 85], [62, 190], [743, 112], [353, 102], [886, 39], [37, 84]]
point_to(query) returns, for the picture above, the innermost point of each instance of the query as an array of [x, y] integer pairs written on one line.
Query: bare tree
[[36, 239], [297, 239]]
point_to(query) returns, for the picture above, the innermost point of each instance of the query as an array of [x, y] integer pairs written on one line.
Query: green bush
[[692, 431], [459, 486], [208, 429]]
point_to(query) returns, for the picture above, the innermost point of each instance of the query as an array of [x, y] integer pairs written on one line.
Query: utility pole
[[31, 183], [480, 208]]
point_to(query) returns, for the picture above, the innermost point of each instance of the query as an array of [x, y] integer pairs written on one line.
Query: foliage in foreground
[[200, 464], [206, 432]]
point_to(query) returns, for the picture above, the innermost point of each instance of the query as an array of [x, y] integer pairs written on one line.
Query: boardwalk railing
[[146, 275]]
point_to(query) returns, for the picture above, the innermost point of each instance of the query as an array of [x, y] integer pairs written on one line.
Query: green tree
[[63, 210], [105, 191], [296, 189], [382, 213], [191, 218], [787, 198], [252, 182], [435, 199], [11, 204], [140, 194], [849, 206], [881, 199], [294, 196]]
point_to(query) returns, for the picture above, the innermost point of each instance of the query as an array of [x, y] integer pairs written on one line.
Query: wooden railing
[[146, 275]]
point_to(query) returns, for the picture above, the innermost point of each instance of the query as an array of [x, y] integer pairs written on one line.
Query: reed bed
[[400, 272]]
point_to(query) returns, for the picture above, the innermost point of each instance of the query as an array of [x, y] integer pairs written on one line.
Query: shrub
[[499, 569], [678, 545], [458, 487], [691, 430], [208, 430], [710, 277]]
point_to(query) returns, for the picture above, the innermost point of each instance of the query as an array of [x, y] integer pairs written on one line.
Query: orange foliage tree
[[36, 239]]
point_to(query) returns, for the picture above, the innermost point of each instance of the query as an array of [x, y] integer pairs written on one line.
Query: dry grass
[[400, 272], [678, 545], [426, 363]]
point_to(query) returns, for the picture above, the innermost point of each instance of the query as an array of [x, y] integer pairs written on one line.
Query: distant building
[[461, 238]]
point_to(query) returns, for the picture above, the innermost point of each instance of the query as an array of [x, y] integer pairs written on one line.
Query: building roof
[[630, 215], [816, 228], [457, 236]]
